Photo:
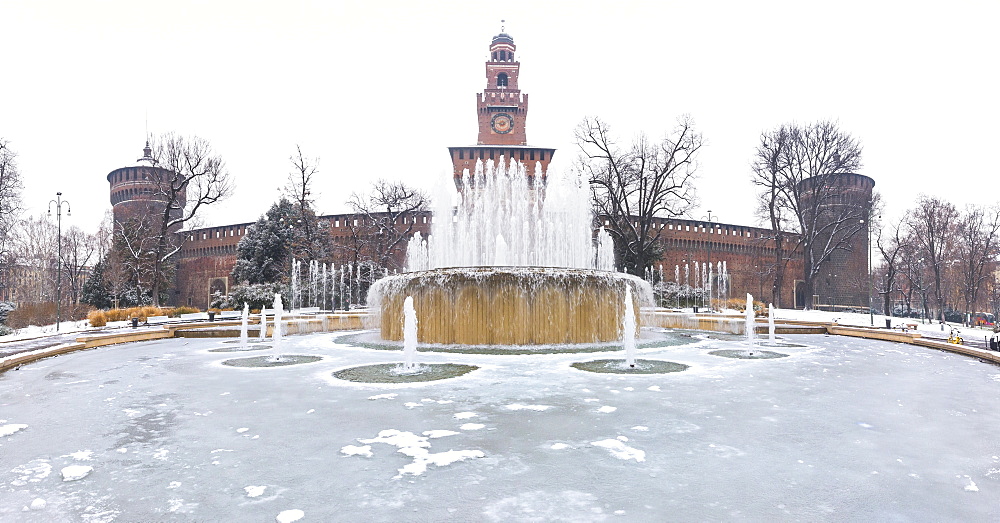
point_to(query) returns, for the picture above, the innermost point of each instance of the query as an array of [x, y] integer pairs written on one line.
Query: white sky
[[381, 89]]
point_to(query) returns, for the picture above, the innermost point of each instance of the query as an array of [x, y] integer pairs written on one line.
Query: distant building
[[208, 254]]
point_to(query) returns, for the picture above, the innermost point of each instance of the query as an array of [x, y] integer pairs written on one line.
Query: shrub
[[97, 318], [44, 314], [5, 330], [177, 311], [5, 308]]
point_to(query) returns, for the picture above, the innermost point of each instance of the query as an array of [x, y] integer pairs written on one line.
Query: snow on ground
[[725, 439], [865, 320], [34, 331], [7, 430], [75, 472]]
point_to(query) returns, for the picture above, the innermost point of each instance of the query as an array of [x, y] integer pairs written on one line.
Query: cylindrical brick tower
[[140, 191], [842, 281]]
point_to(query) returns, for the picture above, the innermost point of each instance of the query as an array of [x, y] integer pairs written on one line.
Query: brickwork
[[207, 255], [842, 281]]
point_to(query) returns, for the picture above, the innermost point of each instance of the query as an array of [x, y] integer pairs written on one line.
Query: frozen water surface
[[841, 429]]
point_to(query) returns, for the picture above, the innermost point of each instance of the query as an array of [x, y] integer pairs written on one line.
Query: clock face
[[502, 123]]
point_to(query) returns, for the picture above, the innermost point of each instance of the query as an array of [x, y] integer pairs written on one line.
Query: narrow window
[[541, 155], [502, 80], [461, 154], [531, 155]]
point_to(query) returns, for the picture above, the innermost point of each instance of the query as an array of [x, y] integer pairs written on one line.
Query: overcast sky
[[381, 89]]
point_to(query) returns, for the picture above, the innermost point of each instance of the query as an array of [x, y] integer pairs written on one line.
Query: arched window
[[502, 80]]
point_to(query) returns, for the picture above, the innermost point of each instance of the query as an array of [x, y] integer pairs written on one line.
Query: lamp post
[[59, 204], [871, 312]]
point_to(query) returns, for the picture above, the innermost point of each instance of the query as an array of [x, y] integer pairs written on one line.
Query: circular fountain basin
[[507, 305], [241, 348], [269, 361], [393, 373], [619, 366], [746, 354]]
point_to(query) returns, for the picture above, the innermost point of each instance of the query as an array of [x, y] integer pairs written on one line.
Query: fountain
[[276, 331], [752, 351], [628, 329], [243, 325], [409, 335], [751, 325], [516, 266], [770, 324]]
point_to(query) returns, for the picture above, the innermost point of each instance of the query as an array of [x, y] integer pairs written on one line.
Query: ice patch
[[640, 428], [518, 406], [620, 450], [540, 505], [398, 438], [122, 450], [411, 404], [81, 455], [31, 472], [630, 389], [472, 426], [75, 472], [354, 450], [423, 458], [7, 430], [439, 433], [654, 388], [310, 411], [221, 450], [241, 430], [287, 516], [416, 447], [161, 454], [607, 409], [559, 446], [591, 400], [465, 415], [37, 504], [389, 396], [254, 491], [174, 484]]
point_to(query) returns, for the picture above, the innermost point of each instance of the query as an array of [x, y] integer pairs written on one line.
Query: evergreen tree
[[264, 253], [96, 291]]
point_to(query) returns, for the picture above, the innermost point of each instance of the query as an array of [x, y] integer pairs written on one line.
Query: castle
[[207, 255]]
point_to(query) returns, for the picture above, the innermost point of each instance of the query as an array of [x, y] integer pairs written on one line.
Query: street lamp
[[59, 204]]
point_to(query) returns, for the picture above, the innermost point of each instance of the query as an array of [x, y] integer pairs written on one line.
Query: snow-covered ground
[[34, 331], [842, 429], [865, 320]]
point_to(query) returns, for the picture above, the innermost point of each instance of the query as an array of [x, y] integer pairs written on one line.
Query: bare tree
[[193, 176], [976, 250], [10, 207], [773, 200], [891, 245], [632, 187], [386, 219], [78, 255], [36, 253], [797, 169], [931, 227], [310, 238]]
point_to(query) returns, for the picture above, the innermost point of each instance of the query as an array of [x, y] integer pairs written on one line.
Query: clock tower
[[502, 112]]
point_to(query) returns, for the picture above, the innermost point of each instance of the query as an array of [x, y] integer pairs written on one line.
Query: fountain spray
[[243, 326], [409, 334], [276, 332], [770, 323], [628, 328]]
